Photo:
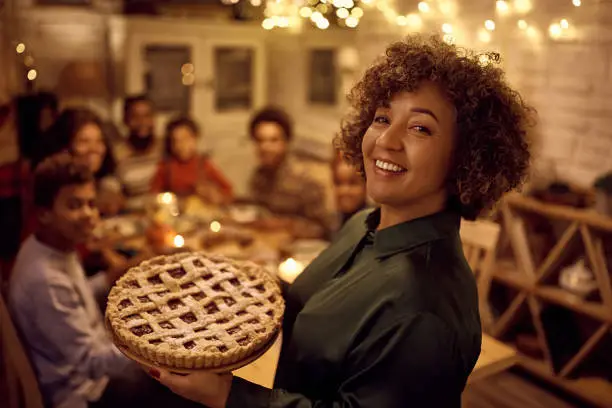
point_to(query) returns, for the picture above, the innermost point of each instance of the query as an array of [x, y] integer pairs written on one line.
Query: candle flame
[[179, 241]]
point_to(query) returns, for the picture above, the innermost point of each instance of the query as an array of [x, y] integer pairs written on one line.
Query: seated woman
[[184, 171], [79, 131], [349, 190]]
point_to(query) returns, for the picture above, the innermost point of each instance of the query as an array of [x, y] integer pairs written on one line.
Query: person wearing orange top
[[184, 171]]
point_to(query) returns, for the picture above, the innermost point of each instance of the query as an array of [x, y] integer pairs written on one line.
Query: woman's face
[[183, 143], [89, 143], [407, 149], [349, 188]]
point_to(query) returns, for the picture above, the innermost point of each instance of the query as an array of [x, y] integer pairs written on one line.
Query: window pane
[[323, 77], [164, 79], [234, 78]]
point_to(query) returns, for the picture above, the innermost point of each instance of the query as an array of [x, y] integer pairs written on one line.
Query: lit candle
[[290, 269], [215, 226], [179, 241]]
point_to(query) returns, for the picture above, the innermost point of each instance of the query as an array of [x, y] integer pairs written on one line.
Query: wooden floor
[[513, 389]]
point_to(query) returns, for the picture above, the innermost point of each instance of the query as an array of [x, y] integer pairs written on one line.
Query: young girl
[[186, 172], [349, 190]]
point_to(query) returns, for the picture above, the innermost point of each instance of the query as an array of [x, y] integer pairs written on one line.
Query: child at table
[[184, 171], [349, 191]]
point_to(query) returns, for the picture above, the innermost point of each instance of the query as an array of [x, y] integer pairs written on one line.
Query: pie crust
[[195, 311]]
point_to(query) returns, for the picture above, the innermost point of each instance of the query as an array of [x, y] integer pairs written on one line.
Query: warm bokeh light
[[188, 79], [316, 16], [342, 13], [489, 25], [352, 22], [267, 24], [522, 24], [357, 12], [256, 3], [322, 24], [414, 20], [502, 7], [401, 21], [564, 24], [555, 30], [215, 226], [577, 3], [424, 7], [32, 74], [522, 6], [179, 241], [447, 28], [187, 69], [165, 198], [20, 48], [305, 12]]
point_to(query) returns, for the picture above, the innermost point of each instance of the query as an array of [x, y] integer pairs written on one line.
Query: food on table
[[195, 311]]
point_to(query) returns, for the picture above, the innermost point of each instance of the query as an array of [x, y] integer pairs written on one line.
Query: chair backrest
[[479, 239], [19, 372]]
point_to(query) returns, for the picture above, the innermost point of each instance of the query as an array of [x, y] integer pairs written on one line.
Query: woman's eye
[[422, 129], [381, 119]]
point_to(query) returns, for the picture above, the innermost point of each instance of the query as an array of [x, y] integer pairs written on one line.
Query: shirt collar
[[413, 233]]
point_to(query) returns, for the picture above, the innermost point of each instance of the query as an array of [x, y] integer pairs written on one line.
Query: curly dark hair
[[172, 126], [55, 172], [132, 100], [274, 115], [491, 154], [60, 135]]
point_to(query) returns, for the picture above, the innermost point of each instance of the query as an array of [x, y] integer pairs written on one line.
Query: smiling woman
[[387, 316]]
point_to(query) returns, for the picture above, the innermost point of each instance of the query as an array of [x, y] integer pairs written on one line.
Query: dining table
[[196, 224]]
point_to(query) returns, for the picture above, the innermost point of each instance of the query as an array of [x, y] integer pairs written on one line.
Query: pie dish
[[195, 311]]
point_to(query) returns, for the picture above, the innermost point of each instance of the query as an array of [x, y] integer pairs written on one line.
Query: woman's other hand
[[211, 390]]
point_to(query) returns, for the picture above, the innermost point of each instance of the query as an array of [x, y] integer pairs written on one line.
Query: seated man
[[53, 304], [138, 155], [296, 199]]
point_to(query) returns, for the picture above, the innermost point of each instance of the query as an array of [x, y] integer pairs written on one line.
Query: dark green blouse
[[381, 319]]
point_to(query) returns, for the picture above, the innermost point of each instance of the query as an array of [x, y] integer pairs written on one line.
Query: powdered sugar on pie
[[193, 310]]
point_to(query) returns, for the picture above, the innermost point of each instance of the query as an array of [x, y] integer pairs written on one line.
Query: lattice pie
[[192, 310]]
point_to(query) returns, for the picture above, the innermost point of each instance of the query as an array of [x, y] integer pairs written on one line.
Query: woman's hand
[[211, 390]]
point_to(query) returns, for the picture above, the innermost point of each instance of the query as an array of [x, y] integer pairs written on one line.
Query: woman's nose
[[390, 139]]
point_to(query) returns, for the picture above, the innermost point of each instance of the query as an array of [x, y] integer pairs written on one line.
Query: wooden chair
[[479, 240], [22, 384]]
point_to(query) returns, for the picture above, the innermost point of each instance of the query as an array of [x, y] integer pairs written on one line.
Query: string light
[[447, 28], [489, 25], [522, 6], [322, 23], [577, 3], [32, 74], [357, 12], [424, 7], [352, 22], [20, 48], [267, 24], [555, 30], [401, 21], [502, 7], [306, 12], [522, 24], [342, 13], [564, 24]]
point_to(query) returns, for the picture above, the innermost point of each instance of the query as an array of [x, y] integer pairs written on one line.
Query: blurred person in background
[[35, 115], [184, 171], [54, 305], [140, 153], [349, 191], [295, 198]]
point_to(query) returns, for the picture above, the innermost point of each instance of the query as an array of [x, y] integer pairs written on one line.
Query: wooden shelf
[[506, 272], [593, 390], [522, 274], [566, 299]]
